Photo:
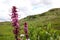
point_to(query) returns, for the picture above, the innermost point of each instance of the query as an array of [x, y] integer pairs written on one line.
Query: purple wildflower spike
[[14, 17], [15, 23], [26, 30]]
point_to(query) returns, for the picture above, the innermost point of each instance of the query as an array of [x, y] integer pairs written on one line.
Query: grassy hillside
[[38, 25], [52, 16]]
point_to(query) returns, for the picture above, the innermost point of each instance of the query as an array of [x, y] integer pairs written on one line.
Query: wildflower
[[15, 23], [22, 35], [26, 30], [14, 17]]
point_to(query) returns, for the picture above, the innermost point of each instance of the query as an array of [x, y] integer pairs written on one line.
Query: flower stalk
[[26, 30], [15, 23]]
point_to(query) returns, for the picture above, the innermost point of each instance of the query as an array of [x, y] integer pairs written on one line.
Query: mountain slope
[[52, 16]]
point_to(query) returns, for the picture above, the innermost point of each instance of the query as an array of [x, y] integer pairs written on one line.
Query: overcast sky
[[26, 7]]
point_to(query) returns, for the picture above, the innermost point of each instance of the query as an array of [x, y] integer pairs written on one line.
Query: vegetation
[[45, 26]]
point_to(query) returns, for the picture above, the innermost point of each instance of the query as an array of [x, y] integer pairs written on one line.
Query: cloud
[[56, 3], [26, 7]]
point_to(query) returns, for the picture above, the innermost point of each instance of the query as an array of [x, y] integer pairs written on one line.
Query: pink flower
[[26, 30], [14, 9], [14, 17], [15, 23]]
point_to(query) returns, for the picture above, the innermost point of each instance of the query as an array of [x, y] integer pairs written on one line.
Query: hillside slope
[[52, 16]]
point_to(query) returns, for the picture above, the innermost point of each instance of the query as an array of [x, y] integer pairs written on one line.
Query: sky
[[26, 7]]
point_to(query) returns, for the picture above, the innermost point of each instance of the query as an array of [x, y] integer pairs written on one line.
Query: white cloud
[[26, 7], [56, 3]]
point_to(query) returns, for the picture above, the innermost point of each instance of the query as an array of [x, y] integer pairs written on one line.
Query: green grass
[[38, 25], [6, 31]]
